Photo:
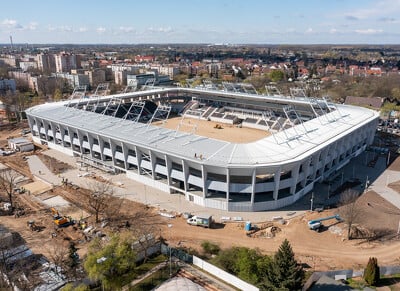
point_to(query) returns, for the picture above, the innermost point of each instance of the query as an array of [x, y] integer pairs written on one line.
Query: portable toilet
[[247, 226]]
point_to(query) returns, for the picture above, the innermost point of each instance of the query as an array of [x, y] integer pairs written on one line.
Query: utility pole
[[312, 200]]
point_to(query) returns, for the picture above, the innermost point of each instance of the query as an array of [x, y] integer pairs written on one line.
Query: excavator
[[60, 221]]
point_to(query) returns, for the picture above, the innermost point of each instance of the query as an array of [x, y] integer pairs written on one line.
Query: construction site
[[52, 208]]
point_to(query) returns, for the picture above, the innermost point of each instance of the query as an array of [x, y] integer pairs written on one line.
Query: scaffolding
[[101, 90], [161, 114], [112, 106], [272, 90], [149, 84], [135, 111], [297, 92], [78, 93], [131, 86]]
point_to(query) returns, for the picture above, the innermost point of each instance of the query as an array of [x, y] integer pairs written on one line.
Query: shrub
[[371, 272]]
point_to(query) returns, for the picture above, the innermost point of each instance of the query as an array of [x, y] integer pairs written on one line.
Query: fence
[[215, 271], [225, 276]]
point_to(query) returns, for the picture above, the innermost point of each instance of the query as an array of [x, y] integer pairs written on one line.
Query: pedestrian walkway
[[144, 276], [40, 171], [206, 278], [380, 186], [135, 191]]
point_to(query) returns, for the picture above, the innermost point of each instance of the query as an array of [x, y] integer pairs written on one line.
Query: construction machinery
[[316, 224], [32, 225], [59, 220]]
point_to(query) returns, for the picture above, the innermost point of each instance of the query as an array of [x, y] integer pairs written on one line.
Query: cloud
[[65, 28], [32, 25], [377, 9], [126, 29], [309, 30], [387, 19], [351, 17], [11, 24], [368, 31], [160, 29], [101, 30]]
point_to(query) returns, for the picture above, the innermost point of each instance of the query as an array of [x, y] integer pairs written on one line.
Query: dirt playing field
[[325, 250], [215, 130]]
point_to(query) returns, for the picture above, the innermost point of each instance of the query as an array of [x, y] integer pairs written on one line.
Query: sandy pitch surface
[[229, 133]]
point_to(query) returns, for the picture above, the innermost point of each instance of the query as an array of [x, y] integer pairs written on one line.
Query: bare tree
[[349, 210], [100, 197], [8, 181], [145, 234], [58, 255]]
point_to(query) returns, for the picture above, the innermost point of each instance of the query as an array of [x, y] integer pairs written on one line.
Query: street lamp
[[312, 200]]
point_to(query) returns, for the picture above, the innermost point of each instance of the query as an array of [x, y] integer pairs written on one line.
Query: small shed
[[20, 144]]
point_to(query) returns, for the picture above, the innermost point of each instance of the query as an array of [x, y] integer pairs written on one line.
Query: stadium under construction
[[306, 141]]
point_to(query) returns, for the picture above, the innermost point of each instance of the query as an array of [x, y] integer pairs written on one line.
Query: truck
[[200, 220]]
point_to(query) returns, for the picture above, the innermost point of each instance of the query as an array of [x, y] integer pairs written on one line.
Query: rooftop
[[288, 145]]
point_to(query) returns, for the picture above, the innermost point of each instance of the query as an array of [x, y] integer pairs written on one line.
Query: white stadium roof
[[271, 150]]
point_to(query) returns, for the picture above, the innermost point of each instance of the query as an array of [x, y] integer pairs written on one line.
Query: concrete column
[[295, 177], [113, 148], [101, 145], [228, 181], [185, 169], [53, 131], [62, 134], [125, 154], [139, 159], [153, 161], [253, 185], [306, 169], [204, 177], [316, 164], [325, 155], [80, 139], [91, 143], [277, 179], [168, 165], [45, 129]]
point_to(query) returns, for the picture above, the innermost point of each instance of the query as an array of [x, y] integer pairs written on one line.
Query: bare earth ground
[[321, 251], [230, 133]]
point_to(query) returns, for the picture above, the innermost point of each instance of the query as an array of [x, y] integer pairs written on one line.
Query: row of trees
[[279, 272]]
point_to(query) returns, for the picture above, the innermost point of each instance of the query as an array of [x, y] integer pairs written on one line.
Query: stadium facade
[[311, 140]]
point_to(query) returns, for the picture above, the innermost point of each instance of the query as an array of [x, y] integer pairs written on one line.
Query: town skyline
[[217, 22]]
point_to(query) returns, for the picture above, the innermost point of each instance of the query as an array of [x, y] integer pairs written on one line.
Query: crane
[[315, 224]]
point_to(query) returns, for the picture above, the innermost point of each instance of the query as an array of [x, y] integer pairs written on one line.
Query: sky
[[200, 21]]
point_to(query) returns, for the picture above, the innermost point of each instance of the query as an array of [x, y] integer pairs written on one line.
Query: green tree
[[243, 262], [71, 287], [284, 273], [57, 95], [276, 75], [210, 248], [108, 263], [371, 272]]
